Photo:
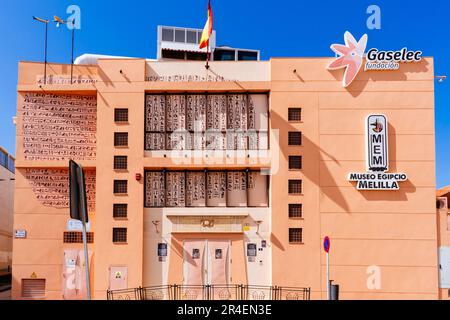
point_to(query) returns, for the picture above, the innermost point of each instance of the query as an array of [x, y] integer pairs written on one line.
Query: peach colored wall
[[395, 230], [6, 217], [367, 228]]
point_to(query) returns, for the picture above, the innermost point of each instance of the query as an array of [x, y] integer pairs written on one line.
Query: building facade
[[6, 210], [232, 174]]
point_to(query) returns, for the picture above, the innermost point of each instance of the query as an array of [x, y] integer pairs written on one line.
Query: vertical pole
[[73, 43], [45, 53], [207, 56], [86, 253], [328, 276]]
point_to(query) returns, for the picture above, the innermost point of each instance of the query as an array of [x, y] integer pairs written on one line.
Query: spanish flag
[[208, 29]]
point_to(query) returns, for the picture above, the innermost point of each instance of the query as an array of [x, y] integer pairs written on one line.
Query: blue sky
[[284, 28]]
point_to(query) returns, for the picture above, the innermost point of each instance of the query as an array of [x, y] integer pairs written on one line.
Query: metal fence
[[211, 292]]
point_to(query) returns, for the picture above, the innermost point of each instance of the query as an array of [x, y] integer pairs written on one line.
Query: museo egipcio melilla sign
[[377, 176]]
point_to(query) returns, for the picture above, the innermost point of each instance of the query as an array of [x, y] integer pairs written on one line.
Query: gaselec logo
[[351, 55]]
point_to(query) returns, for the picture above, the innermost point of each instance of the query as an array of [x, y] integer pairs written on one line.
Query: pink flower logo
[[350, 57]]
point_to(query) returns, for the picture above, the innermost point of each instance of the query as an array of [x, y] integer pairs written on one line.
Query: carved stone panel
[[58, 126]]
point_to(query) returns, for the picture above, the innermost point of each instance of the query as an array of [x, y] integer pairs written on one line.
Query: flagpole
[[207, 56]]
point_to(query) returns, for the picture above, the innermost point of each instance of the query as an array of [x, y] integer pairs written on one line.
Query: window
[[119, 235], [295, 235], [295, 186], [120, 162], [206, 189], [120, 139], [3, 158], [295, 114], [33, 288], [167, 34], [191, 36], [196, 56], [224, 55], [121, 186], [295, 138], [77, 237], [180, 36], [295, 210], [295, 162], [120, 115], [206, 122], [120, 210], [247, 55]]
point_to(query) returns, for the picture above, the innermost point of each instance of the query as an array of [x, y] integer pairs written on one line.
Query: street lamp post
[[45, 45], [59, 22]]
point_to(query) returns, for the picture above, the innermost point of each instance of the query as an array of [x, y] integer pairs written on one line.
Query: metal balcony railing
[[211, 292]]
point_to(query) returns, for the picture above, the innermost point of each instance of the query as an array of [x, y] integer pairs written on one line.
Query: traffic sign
[[326, 244]]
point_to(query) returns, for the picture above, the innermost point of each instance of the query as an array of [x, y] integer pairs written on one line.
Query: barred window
[[120, 162], [295, 186], [295, 162], [33, 288], [77, 237], [121, 139], [295, 235], [295, 138], [120, 186], [120, 210], [295, 114], [119, 235], [120, 115], [295, 210]]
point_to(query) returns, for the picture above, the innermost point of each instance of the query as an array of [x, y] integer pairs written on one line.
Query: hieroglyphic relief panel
[[155, 141], [237, 112], [154, 189], [58, 126], [216, 189], [51, 187], [236, 189], [175, 189], [196, 112], [155, 113], [217, 112], [195, 189], [175, 112]]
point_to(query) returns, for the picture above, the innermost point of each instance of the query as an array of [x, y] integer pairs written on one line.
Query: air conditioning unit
[[441, 203]]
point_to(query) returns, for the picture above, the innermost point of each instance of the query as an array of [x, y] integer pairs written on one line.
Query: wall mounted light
[[156, 224], [138, 177], [440, 79], [258, 223]]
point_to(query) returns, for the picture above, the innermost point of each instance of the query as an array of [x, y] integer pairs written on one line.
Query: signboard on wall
[[377, 161]]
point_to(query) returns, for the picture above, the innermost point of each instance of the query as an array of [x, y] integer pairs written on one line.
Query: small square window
[[119, 235], [120, 162], [295, 138], [295, 210], [77, 237], [120, 115], [121, 139], [167, 34], [295, 186], [180, 36], [120, 210], [295, 235], [295, 162], [295, 114], [121, 186]]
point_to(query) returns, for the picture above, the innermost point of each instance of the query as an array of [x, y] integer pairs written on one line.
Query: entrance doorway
[[206, 262]]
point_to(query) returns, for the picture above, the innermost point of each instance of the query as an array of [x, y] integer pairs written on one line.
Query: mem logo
[[377, 161], [351, 57]]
